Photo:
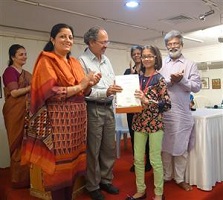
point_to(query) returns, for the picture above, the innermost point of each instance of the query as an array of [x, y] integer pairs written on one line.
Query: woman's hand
[[143, 98], [85, 82], [140, 95], [20, 91], [132, 68]]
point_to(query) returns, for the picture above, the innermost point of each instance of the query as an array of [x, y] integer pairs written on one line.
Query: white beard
[[175, 53]]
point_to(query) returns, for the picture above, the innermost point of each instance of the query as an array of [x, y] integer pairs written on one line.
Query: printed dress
[[56, 133]]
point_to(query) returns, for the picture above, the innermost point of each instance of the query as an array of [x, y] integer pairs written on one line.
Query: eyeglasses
[[175, 44], [104, 43], [150, 57]]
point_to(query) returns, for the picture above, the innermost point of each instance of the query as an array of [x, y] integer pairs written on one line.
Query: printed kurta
[[150, 119], [178, 121], [56, 135]]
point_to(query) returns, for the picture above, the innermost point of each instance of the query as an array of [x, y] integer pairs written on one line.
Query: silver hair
[[92, 34], [172, 34]]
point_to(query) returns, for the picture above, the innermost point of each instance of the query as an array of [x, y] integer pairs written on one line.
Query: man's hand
[[175, 78], [95, 79], [113, 89]]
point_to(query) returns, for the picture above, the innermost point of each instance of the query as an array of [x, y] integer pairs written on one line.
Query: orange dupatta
[[50, 70]]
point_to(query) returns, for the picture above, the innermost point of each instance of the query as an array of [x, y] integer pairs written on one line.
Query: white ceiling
[[144, 25]]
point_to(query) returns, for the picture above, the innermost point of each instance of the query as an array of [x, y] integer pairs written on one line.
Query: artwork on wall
[[216, 83], [205, 82]]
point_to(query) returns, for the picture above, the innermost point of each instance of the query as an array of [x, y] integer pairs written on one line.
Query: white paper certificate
[[126, 99]]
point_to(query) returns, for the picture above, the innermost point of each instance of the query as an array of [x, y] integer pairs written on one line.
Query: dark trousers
[[129, 120]]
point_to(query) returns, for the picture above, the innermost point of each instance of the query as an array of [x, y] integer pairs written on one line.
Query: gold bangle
[[75, 89]]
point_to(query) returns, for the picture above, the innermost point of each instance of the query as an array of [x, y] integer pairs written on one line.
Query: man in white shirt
[[101, 122]]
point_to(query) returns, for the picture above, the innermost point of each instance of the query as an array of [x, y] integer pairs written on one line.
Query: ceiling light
[[132, 4], [203, 17]]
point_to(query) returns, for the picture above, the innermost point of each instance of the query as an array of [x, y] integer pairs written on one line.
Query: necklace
[[143, 80]]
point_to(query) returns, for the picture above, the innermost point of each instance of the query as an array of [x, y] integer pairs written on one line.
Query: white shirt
[[89, 63]]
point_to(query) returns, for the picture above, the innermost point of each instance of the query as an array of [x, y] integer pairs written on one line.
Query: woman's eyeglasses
[[149, 57]]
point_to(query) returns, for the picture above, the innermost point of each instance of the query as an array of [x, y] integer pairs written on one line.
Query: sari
[[14, 112], [55, 139]]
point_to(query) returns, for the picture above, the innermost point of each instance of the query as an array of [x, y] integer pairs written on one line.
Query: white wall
[[207, 54], [32, 46], [34, 43], [118, 54]]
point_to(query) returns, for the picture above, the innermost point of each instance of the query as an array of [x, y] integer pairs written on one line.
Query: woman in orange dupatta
[[56, 135], [17, 86]]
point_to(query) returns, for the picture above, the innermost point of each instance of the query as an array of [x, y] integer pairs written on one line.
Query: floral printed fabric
[[150, 119]]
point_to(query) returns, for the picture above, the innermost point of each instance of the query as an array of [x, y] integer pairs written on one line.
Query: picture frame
[[205, 83], [216, 83]]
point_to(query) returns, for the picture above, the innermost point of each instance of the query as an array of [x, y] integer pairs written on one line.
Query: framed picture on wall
[[216, 83], [205, 82]]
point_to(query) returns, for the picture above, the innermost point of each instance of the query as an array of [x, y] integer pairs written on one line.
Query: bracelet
[[76, 89]]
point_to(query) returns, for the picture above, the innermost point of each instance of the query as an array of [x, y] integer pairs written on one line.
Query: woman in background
[[56, 136], [16, 90], [148, 123]]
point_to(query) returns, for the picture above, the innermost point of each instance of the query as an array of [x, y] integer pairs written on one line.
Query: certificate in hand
[[125, 100]]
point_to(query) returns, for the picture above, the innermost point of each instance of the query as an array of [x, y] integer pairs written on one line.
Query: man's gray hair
[[172, 34], [92, 34]]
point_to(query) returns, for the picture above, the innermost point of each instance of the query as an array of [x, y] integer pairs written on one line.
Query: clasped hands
[[175, 78], [91, 79], [94, 78]]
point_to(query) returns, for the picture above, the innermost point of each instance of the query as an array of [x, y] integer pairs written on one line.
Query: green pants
[[155, 144]]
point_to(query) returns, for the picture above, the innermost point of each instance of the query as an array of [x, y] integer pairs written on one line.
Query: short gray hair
[[92, 34], [172, 34]]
